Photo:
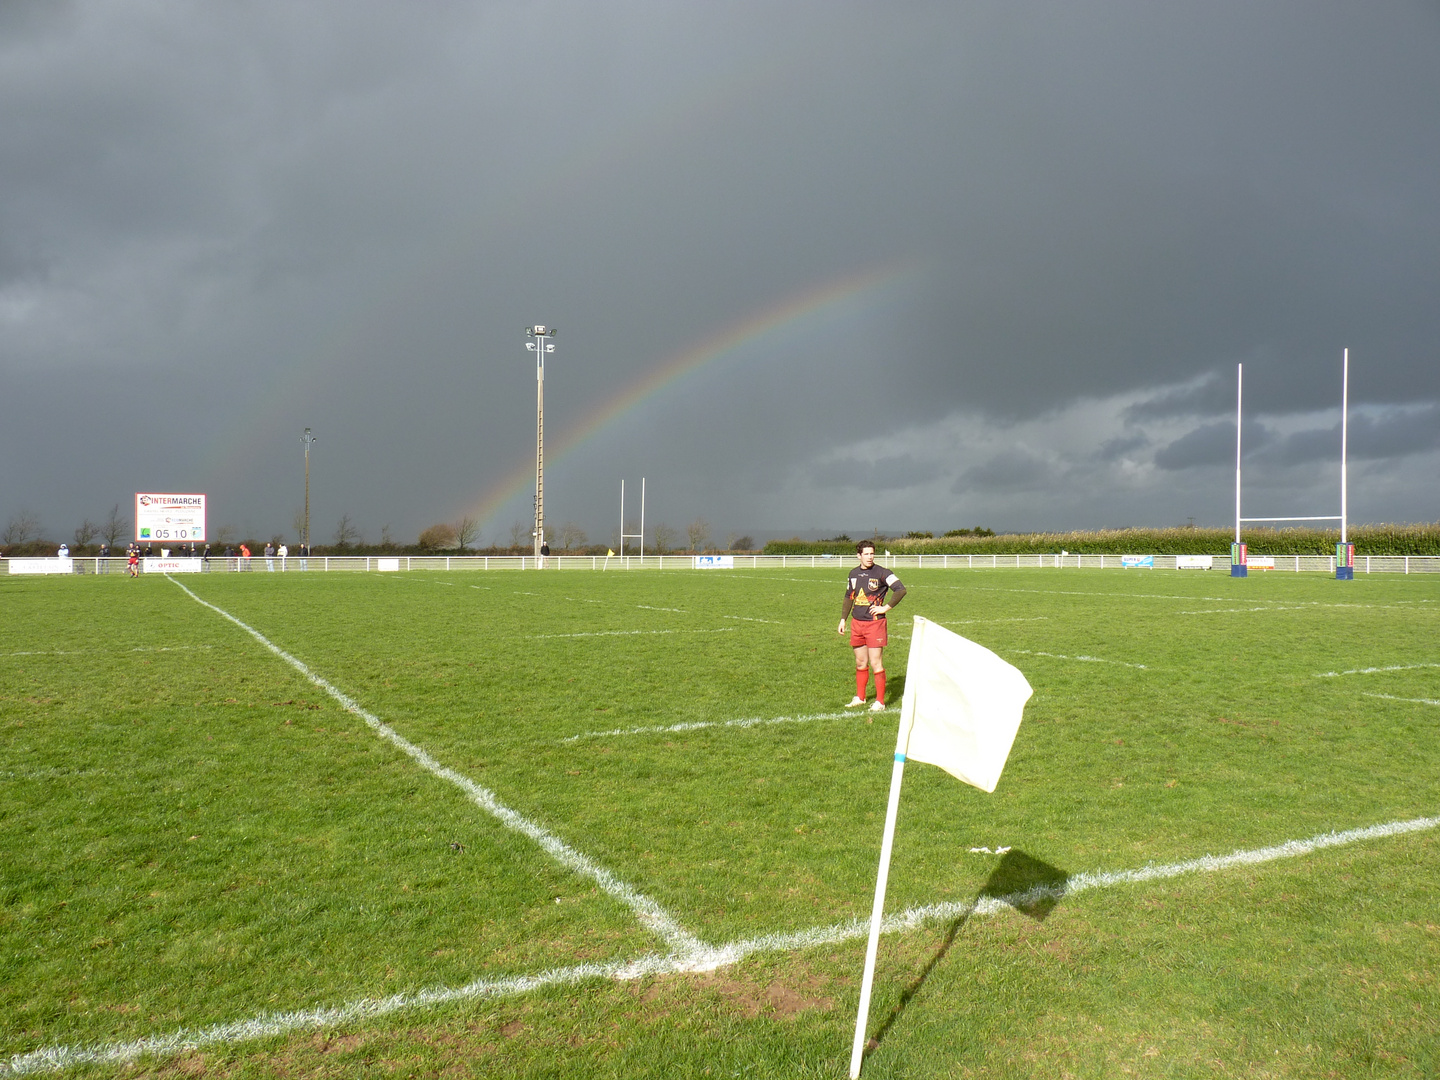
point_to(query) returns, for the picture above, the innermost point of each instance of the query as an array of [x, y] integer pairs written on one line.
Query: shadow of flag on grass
[[1027, 884]]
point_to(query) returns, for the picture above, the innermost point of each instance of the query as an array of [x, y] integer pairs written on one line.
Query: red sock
[[862, 675], [880, 687]]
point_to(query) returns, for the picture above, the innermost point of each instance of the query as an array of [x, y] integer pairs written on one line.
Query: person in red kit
[[866, 606]]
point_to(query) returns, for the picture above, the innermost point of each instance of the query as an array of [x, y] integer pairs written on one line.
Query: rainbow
[[853, 289]]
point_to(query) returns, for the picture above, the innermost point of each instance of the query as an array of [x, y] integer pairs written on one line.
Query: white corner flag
[[961, 710]]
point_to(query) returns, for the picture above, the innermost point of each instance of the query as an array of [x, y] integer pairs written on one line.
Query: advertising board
[[1194, 562], [42, 566], [169, 518], [714, 562], [1138, 562], [172, 566]]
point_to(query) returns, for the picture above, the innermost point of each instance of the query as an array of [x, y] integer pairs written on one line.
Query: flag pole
[[902, 741]]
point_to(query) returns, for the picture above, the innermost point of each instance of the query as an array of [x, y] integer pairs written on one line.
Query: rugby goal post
[[1344, 550]]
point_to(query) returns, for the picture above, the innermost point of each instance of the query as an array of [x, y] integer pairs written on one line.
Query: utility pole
[[540, 346]]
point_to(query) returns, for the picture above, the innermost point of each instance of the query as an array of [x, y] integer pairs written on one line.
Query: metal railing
[[258, 564]]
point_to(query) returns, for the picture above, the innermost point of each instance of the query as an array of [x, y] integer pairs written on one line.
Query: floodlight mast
[[309, 441], [540, 346]]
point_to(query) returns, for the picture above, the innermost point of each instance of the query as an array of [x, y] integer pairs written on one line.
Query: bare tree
[[467, 529], [664, 538], [297, 524], [438, 537], [346, 532], [520, 535], [571, 536], [23, 528], [699, 533], [386, 540], [741, 543], [115, 527], [226, 535], [85, 533]]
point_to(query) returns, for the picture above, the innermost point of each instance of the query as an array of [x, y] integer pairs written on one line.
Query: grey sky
[[1044, 234]]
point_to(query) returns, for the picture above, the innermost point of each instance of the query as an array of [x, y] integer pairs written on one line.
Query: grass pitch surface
[[192, 833]]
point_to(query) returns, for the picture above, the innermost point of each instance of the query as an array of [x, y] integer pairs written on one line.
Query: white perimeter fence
[[1364, 564]]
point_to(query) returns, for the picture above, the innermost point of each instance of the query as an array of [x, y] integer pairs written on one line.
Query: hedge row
[[1368, 540]]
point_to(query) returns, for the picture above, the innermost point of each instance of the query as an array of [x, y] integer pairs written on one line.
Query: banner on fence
[[172, 566], [714, 562], [1137, 562], [169, 517], [1260, 562], [387, 564], [1194, 562], [42, 566]]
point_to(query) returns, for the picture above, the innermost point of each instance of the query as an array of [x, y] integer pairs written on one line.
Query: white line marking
[[269, 1025], [651, 915], [85, 652], [1371, 670], [698, 725], [647, 607], [1280, 605], [629, 633], [746, 618], [971, 622], [1081, 659], [1411, 700], [1093, 595]]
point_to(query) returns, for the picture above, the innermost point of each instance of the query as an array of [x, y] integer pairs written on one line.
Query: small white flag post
[[961, 709]]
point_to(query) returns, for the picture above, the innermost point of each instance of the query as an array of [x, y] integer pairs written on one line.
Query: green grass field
[[192, 833]]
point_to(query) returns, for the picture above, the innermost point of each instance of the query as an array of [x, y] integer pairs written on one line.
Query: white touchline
[[269, 1025], [628, 633], [1411, 700], [747, 618], [1277, 606], [971, 622], [698, 725], [86, 652], [651, 915], [1080, 659], [1371, 670]]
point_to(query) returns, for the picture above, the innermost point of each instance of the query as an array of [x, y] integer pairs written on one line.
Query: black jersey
[[867, 589]]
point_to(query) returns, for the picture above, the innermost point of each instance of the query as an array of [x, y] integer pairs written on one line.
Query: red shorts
[[868, 632]]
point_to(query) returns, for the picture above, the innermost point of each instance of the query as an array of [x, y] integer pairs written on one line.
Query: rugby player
[[866, 606]]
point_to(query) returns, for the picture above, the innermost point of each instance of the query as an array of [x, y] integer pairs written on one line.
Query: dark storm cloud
[[1396, 434], [1118, 447], [251, 219], [893, 472], [1212, 444], [1207, 397], [1010, 472]]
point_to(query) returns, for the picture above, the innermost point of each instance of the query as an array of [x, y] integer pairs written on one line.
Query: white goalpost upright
[[1344, 550], [632, 536]]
